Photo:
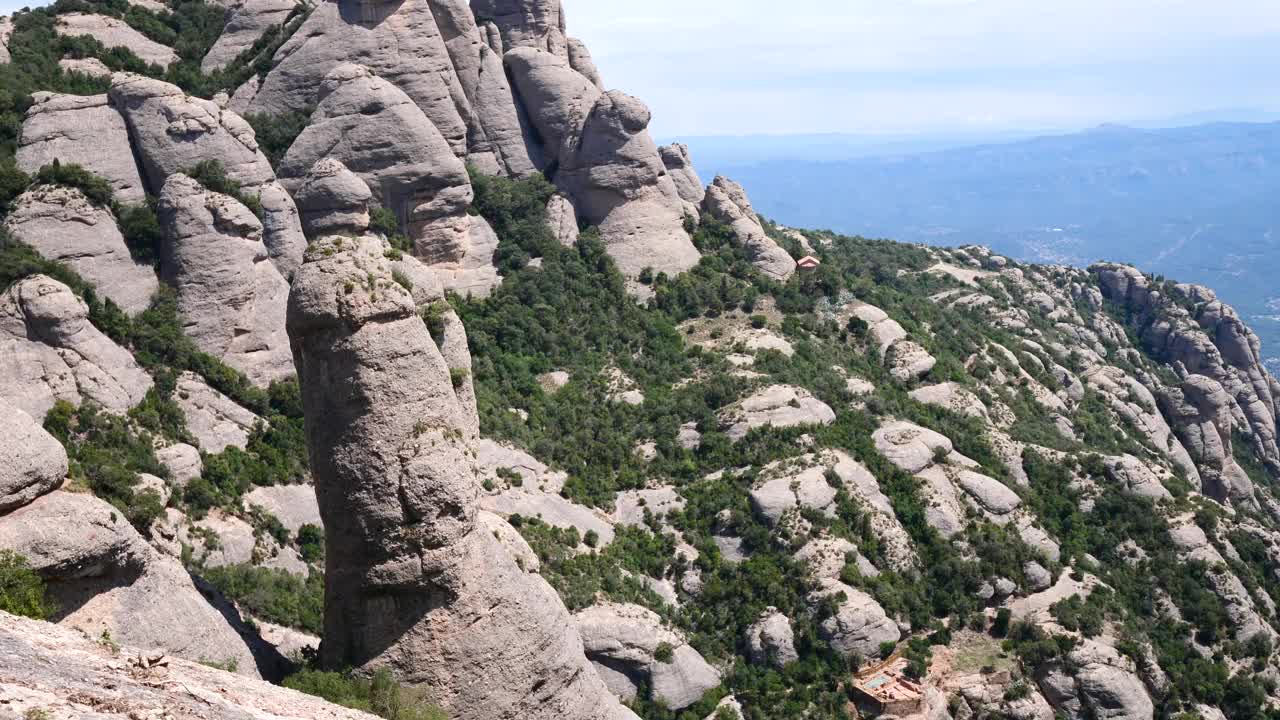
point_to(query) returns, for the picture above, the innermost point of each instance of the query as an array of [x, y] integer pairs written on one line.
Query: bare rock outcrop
[[333, 200], [230, 296], [248, 22], [1097, 682], [93, 67], [6, 31], [599, 147], [413, 582], [563, 220], [536, 24], [58, 672], [49, 351], [859, 625], [677, 161], [62, 225], [32, 462], [172, 131], [104, 578], [727, 202], [771, 640], [580, 60], [85, 130], [377, 132], [115, 33], [1200, 412], [623, 642], [431, 50], [779, 406], [214, 419]]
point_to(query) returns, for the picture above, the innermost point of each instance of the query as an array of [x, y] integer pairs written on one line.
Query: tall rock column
[[412, 583]]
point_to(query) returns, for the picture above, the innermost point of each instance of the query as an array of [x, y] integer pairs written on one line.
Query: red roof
[[808, 261]]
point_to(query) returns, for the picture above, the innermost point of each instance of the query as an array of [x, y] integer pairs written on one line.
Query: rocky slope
[[431, 361]]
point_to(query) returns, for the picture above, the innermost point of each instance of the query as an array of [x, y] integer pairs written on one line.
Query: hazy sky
[[889, 66]]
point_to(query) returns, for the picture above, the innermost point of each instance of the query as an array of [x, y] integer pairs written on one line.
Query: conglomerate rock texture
[[412, 583]]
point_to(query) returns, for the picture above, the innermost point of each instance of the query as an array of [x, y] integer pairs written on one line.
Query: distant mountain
[[1195, 203]]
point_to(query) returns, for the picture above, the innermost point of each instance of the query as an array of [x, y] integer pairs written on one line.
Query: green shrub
[[664, 653], [381, 694], [97, 190], [274, 595], [22, 591], [310, 542], [276, 133], [213, 176]]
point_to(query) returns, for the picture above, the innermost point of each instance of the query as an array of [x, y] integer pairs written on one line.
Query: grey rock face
[[727, 202], [49, 351], [293, 505], [172, 131], [563, 220], [84, 130], [115, 33], [105, 577], [1135, 478], [62, 225], [36, 656], [771, 640], [580, 60], [859, 625], [527, 23], [93, 67], [1101, 684], [231, 297], [333, 200], [183, 462], [1200, 412], [32, 462], [1214, 343], [377, 131], [6, 30], [248, 23], [607, 162], [778, 406], [688, 184], [214, 419], [412, 583], [623, 641]]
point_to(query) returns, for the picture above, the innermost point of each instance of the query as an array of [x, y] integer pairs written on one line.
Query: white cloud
[[748, 66]]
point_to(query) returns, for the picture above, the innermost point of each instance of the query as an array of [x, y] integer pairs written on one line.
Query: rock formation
[[214, 420], [172, 131], [688, 184], [32, 462], [859, 624], [727, 202], [62, 225], [59, 672], [563, 220], [250, 21], [771, 640], [49, 351], [411, 583], [6, 31], [333, 200], [231, 297], [623, 642], [85, 130], [431, 50], [105, 578], [115, 33]]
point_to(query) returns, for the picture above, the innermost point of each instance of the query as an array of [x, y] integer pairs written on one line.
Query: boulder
[[106, 580], [727, 202], [624, 640], [580, 60], [990, 493], [910, 447], [1135, 478], [49, 351], [777, 496], [689, 186], [182, 461], [62, 225], [333, 200], [951, 396], [779, 406], [172, 131], [59, 671], [563, 220], [632, 505], [293, 505], [214, 419], [32, 462], [230, 296], [91, 67], [859, 625], [248, 22], [115, 33], [1201, 413], [377, 132], [771, 640], [1101, 683], [413, 583], [85, 130], [6, 30]]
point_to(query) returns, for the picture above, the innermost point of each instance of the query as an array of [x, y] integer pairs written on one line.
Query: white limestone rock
[[62, 225]]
